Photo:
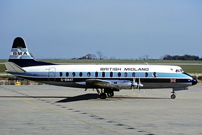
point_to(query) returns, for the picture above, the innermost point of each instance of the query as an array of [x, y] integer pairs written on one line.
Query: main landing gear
[[103, 94]]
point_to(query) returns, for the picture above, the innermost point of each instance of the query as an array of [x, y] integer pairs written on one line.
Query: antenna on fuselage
[[146, 63]]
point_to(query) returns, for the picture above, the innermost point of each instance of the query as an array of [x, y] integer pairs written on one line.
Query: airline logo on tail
[[19, 53]]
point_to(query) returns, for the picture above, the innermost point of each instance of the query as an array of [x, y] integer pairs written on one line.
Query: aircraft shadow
[[79, 98], [95, 96], [139, 98], [33, 97], [82, 97]]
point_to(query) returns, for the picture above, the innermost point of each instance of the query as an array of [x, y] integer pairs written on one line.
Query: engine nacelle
[[121, 84]]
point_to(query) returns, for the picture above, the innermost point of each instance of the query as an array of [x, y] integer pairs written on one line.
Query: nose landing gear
[[173, 96]]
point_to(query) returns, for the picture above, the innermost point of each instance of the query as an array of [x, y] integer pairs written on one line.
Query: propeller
[[139, 85], [134, 85]]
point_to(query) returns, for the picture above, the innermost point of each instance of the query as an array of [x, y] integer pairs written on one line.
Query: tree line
[[184, 57], [100, 56]]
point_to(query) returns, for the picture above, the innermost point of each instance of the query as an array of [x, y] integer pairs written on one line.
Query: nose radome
[[194, 81]]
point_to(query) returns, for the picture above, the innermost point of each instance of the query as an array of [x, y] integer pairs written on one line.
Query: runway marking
[[63, 114]]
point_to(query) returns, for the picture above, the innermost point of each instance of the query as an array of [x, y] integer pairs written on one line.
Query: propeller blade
[[139, 85], [139, 92], [134, 84], [133, 90]]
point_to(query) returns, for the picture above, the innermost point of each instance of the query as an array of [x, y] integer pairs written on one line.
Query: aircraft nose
[[194, 81]]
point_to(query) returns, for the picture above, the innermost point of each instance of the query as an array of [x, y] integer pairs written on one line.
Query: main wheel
[[111, 94], [173, 96], [103, 96]]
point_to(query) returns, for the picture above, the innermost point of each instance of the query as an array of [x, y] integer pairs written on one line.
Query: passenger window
[[154, 74], [67, 74], [111, 74], [80, 74], [125, 74], [146, 74], [96, 74], [119, 74], [133, 74], [103, 74], [88, 74], [60, 74], [73, 74]]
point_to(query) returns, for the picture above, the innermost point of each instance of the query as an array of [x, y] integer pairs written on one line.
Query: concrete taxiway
[[42, 109]]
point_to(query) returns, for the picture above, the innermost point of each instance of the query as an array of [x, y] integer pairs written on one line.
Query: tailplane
[[12, 67], [21, 56]]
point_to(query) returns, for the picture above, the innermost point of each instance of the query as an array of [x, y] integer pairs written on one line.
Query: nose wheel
[[173, 96]]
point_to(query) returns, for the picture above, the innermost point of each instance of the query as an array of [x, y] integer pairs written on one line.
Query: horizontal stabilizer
[[12, 67]]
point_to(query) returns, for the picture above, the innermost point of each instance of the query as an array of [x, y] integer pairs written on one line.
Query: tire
[[173, 96], [103, 96], [111, 94]]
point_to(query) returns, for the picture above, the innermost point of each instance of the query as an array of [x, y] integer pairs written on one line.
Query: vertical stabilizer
[[21, 56], [19, 50]]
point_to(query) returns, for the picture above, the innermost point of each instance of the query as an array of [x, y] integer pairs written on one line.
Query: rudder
[[21, 56]]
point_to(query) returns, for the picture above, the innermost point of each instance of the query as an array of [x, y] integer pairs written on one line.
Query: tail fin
[[21, 56]]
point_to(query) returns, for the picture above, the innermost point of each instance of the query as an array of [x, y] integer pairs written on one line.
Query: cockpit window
[[179, 71]]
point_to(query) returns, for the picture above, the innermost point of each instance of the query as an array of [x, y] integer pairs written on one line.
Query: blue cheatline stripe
[[20, 57], [18, 49], [107, 75]]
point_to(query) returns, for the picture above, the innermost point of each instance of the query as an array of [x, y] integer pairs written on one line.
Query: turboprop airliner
[[104, 78]]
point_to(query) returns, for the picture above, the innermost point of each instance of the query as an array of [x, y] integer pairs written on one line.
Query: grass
[[117, 61], [2, 68], [192, 68], [187, 68], [3, 60]]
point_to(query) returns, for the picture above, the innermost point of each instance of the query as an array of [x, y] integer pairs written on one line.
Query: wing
[[117, 84], [95, 82]]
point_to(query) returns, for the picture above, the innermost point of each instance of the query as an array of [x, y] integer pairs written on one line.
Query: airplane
[[104, 78]]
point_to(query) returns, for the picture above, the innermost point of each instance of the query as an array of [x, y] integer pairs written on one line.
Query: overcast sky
[[126, 29]]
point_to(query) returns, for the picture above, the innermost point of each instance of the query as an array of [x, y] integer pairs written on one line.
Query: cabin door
[[51, 74]]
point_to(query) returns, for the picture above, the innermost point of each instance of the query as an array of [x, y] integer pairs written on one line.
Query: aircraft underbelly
[[165, 85], [116, 84], [145, 85]]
